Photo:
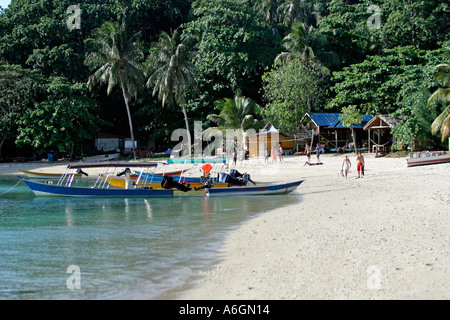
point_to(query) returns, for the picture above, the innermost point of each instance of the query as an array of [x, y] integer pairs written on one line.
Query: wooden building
[[379, 132], [268, 138], [329, 128]]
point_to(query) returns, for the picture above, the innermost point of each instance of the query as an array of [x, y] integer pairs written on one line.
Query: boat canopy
[[106, 164], [196, 160]]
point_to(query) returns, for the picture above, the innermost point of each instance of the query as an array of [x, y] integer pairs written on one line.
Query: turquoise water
[[123, 248]]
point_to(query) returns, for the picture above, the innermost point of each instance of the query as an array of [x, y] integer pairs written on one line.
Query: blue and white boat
[[269, 189]]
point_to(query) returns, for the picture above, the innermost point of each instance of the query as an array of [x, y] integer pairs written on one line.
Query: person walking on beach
[[360, 165], [266, 155], [274, 155], [318, 152], [346, 164], [308, 152], [280, 153], [234, 157]]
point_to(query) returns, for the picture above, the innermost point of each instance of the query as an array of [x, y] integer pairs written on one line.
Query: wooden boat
[[103, 157], [427, 158], [64, 188], [274, 189], [102, 188], [155, 183], [47, 176]]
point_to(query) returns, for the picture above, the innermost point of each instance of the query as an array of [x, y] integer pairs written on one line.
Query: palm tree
[[171, 73], [267, 9], [293, 11], [116, 58], [442, 97], [238, 113], [296, 45], [308, 46]]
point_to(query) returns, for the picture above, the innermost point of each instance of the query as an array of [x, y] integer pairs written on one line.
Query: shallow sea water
[[68, 248]]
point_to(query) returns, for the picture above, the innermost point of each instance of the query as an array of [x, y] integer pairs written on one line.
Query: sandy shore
[[385, 236]]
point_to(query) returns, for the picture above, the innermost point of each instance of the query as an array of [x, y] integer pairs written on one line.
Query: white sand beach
[[384, 236]]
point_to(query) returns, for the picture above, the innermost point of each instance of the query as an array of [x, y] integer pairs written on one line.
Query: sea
[[107, 249]]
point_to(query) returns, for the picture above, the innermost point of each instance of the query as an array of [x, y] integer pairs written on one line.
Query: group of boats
[[141, 179]]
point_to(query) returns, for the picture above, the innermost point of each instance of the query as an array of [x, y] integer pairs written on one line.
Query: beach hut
[[379, 132], [267, 138], [328, 127]]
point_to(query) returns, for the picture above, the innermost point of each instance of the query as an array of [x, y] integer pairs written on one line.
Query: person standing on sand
[[360, 165], [346, 164]]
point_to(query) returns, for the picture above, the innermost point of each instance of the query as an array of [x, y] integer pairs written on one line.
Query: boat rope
[[1, 194]]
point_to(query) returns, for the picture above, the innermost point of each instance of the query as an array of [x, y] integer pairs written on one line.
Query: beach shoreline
[[384, 236]]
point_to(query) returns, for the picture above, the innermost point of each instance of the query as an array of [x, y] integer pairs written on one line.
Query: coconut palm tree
[[116, 59], [267, 9], [237, 113], [296, 45], [293, 11], [442, 97], [308, 46], [171, 73]]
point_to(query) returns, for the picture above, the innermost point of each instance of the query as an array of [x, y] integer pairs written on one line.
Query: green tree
[[268, 10], [233, 51], [291, 90], [18, 91], [65, 121], [351, 117], [171, 73], [396, 83], [442, 97], [238, 113], [116, 58]]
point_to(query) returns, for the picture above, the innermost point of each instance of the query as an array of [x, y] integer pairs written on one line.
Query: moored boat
[[102, 157], [47, 176], [269, 189], [427, 158], [168, 187]]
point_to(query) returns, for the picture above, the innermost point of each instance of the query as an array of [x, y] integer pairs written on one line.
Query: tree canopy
[[380, 57]]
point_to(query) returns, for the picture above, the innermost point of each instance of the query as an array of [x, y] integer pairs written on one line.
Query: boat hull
[[422, 161], [51, 190], [282, 188]]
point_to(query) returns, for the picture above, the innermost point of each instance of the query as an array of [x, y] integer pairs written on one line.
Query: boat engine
[[169, 183]]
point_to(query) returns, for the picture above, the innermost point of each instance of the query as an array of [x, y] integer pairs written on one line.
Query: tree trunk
[[1, 145], [354, 140], [129, 118], [187, 128]]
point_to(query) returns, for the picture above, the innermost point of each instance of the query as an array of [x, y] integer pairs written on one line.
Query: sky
[[4, 3]]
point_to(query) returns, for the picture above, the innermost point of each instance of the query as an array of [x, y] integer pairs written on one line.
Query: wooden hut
[[379, 133]]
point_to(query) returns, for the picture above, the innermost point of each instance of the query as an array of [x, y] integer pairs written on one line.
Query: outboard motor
[[244, 177], [168, 183], [82, 172], [126, 172]]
